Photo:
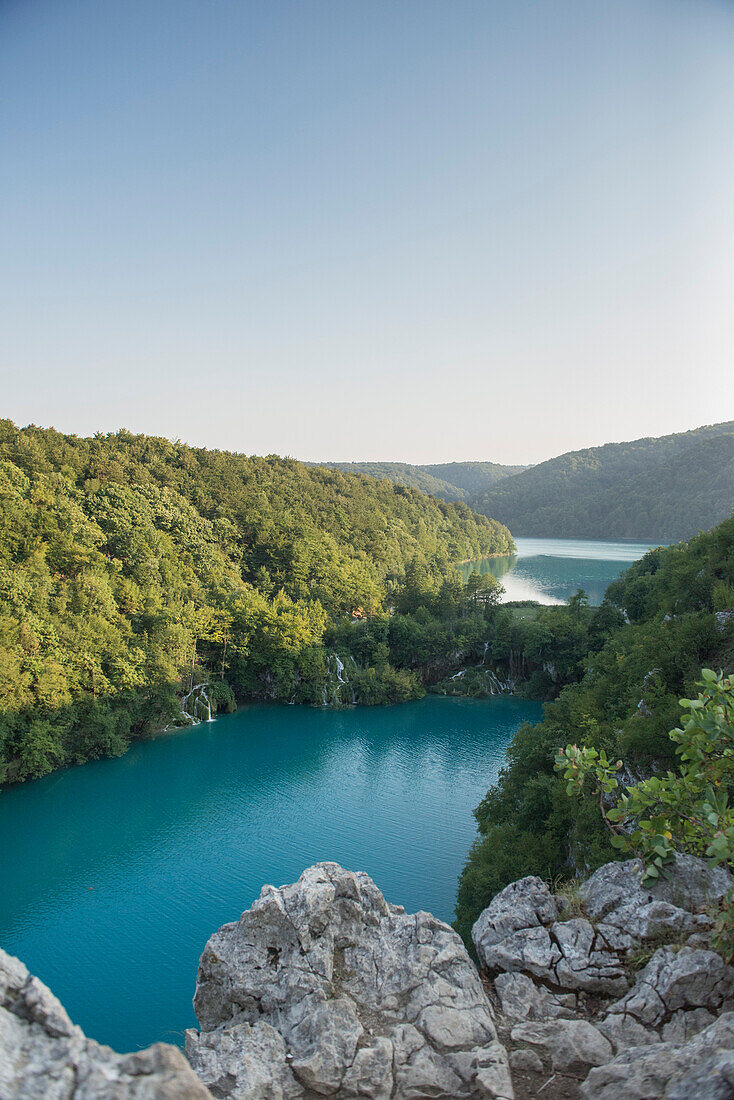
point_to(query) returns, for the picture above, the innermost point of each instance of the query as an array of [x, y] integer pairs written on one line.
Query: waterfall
[[498, 686], [336, 680], [484, 652], [195, 706]]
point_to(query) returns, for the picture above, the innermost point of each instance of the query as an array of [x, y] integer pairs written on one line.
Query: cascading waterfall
[[494, 682], [332, 693], [498, 686], [195, 708]]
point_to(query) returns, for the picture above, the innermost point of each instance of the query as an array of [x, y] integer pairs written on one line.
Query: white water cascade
[[495, 683], [332, 693], [498, 686], [195, 708]]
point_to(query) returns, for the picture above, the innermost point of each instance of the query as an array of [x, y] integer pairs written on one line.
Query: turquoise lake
[[551, 570], [115, 873]]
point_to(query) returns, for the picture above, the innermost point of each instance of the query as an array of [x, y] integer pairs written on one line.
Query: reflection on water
[[551, 570], [115, 873]]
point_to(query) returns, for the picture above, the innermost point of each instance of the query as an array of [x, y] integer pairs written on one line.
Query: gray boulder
[[615, 895], [519, 932], [702, 1068], [570, 1045], [625, 1031], [522, 999], [323, 988], [527, 903], [563, 980], [676, 980], [43, 1056], [525, 1061]]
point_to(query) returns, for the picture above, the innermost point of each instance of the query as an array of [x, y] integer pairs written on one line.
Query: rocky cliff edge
[[323, 988]]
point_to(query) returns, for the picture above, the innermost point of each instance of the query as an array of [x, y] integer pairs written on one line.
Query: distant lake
[[117, 872], [551, 570]]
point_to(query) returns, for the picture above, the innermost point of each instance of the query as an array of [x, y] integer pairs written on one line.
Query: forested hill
[[449, 480], [130, 565], [665, 489]]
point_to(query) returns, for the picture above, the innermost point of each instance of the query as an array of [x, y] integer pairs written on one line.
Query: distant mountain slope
[[472, 477], [449, 480], [667, 489]]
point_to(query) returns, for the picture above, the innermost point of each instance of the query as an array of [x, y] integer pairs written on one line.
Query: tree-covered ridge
[[679, 606], [667, 488], [449, 480], [472, 477], [130, 565]]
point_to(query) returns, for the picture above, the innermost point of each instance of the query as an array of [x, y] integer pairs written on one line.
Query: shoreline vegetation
[[133, 568], [668, 616]]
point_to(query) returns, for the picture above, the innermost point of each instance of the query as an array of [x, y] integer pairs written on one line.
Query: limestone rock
[[675, 980], [586, 961], [246, 1060], [519, 932], [682, 1025], [324, 988], [525, 904], [615, 895], [702, 1068], [43, 1056], [522, 999], [525, 1061], [531, 950], [511, 934], [562, 981], [571, 1045], [625, 1031]]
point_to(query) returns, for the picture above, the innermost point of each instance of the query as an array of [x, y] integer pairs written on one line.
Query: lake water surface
[[551, 570], [115, 873]]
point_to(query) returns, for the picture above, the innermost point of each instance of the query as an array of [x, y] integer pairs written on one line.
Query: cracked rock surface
[[615, 895], [571, 954], [702, 1068], [43, 1056], [676, 980], [572, 1003], [322, 988]]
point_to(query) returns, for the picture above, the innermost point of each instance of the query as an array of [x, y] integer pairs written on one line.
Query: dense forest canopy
[[668, 616], [448, 480], [664, 489], [131, 566]]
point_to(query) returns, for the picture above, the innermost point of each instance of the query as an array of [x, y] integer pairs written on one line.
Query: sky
[[353, 229]]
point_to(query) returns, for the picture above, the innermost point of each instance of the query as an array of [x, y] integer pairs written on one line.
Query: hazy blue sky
[[352, 229]]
